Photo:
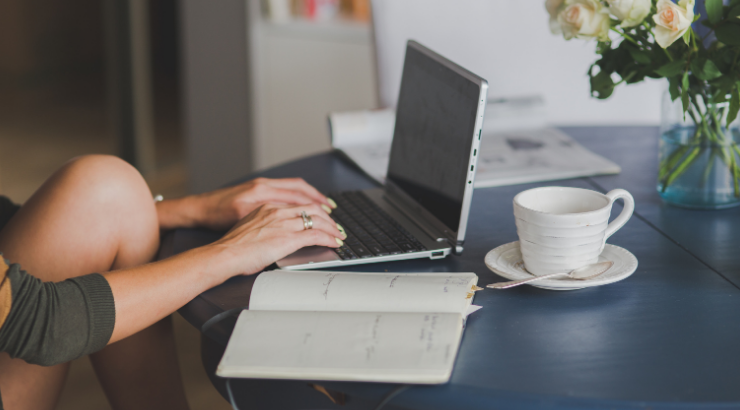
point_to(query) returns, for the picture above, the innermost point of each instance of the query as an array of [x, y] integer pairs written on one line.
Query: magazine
[[507, 157]]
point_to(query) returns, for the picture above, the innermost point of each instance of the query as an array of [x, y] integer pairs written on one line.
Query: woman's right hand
[[272, 232]]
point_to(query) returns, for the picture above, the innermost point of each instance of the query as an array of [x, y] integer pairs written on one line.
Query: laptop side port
[[438, 254]]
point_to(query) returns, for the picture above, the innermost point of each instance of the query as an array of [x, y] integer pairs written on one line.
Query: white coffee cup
[[561, 229]]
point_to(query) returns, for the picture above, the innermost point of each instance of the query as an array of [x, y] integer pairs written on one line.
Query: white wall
[[507, 42], [306, 74], [302, 72]]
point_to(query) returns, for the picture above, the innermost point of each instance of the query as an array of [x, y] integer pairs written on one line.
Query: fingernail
[[326, 208], [341, 230], [331, 202], [339, 241]]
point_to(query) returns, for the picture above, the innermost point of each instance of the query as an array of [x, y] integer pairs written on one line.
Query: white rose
[[672, 20], [553, 8], [630, 12], [584, 19]]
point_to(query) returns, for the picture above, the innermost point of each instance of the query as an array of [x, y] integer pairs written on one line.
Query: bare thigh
[[94, 215]]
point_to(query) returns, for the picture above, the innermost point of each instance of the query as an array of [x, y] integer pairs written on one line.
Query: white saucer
[[506, 261]]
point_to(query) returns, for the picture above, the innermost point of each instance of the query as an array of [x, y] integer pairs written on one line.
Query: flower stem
[[707, 130], [682, 167], [626, 36], [708, 168]]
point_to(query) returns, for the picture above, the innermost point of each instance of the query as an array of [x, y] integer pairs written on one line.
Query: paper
[[534, 155], [472, 309], [383, 347], [362, 291], [351, 326], [371, 158], [507, 157], [365, 137]]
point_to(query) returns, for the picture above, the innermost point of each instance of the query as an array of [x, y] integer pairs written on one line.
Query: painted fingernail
[[331, 202], [339, 241], [341, 230], [326, 208]]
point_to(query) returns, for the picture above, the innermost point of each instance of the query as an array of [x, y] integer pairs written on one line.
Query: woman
[[96, 214]]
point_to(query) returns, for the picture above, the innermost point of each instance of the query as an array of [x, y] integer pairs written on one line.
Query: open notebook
[[351, 326]]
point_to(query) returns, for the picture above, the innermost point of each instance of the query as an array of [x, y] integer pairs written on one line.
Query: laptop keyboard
[[370, 231]]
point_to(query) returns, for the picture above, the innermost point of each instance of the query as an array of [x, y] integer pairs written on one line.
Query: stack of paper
[[507, 156]]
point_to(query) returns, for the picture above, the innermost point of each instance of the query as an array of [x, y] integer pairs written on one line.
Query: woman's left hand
[[222, 208]]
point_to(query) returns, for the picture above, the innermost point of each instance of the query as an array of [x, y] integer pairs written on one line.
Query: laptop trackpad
[[307, 255]]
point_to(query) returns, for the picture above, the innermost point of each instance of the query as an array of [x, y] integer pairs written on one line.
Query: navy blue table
[[666, 337]]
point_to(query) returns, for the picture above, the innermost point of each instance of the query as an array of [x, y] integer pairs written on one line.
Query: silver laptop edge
[[439, 240]]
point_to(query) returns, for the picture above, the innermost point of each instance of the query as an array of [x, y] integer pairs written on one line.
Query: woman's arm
[[145, 294], [222, 208], [50, 323]]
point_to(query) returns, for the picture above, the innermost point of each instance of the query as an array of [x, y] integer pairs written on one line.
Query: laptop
[[422, 210]]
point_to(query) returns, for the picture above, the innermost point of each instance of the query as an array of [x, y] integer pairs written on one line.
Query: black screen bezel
[[428, 61]]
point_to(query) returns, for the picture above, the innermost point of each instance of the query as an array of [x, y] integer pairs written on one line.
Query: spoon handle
[[511, 284]]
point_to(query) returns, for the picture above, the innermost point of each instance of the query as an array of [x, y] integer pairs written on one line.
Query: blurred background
[[197, 94]]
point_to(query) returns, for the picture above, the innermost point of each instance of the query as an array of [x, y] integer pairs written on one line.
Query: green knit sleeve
[[51, 323]]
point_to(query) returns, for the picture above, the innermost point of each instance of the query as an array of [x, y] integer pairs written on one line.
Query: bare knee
[[96, 209], [104, 178], [117, 189], [106, 181]]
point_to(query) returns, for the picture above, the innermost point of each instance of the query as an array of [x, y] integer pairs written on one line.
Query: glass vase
[[699, 155]]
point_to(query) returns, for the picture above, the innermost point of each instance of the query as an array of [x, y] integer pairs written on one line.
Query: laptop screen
[[435, 121]]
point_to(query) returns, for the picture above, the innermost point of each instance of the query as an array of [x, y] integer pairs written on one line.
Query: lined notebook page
[[381, 347], [362, 291]]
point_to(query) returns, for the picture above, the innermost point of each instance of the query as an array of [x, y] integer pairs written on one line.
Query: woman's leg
[[93, 215]]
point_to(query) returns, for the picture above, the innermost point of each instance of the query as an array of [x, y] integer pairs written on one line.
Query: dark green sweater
[[51, 323]]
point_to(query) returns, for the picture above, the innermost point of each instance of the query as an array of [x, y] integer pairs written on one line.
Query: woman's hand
[[147, 293], [272, 232], [222, 208]]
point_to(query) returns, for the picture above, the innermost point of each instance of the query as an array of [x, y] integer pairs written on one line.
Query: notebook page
[[378, 347], [363, 291]]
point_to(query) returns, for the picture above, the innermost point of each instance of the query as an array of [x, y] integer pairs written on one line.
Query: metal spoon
[[584, 272]]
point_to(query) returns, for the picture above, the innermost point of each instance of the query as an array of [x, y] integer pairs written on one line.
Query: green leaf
[[685, 92], [724, 84], [671, 69], [602, 85], [734, 12], [734, 3], [635, 77], [687, 37], [714, 10], [728, 34], [673, 88], [711, 71], [719, 98], [705, 69], [641, 56], [734, 105]]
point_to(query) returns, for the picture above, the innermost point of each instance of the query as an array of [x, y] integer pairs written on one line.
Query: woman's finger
[[315, 211], [298, 184], [313, 237], [287, 196], [297, 224]]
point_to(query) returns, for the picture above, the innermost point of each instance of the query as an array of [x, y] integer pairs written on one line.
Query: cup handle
[[618, 222]]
